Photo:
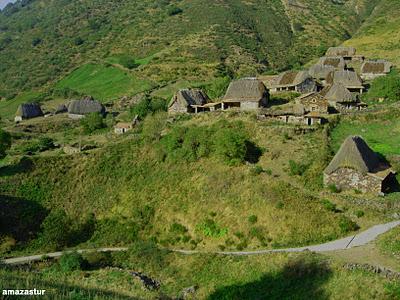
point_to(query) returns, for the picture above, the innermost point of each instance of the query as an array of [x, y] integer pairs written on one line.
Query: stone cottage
[[373, 69], [337, 62], [28, 111], [321, 72], [188, 101], [357, 167], [346, 52], [340, 98], [313, 102], [246, 94], [296, 81], [350, 79], [78, 109]]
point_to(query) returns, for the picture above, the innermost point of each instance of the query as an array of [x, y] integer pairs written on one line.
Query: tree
[[56, 229], [92, 122], [230, 146], [5, 143]]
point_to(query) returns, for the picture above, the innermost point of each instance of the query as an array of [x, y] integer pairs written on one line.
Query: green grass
[[9, 108], [389, 243], [103, 82], [276, 276], [381, 132]]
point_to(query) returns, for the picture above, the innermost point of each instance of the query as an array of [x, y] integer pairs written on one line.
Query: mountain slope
[[41, 41]]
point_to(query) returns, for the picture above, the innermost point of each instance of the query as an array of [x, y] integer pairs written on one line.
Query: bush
[[56, 229], [128, 62], [97, 259], [359, 213], [347, 225], [230, 146], [211, 229], [329, 205], [41, 145], [5, 143], [386, 87], [71, 261], [178, 228], [252, 219], [297, 168], [174, 10], [92, 122], [333, 188], [148, 105]]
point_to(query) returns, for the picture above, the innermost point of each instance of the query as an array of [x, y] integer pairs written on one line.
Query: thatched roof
[[292, 78], [356, 154], [346, 78], [341, 51], [62, 108], [188, 97], [246, 89], [29, 110], [335, 61], [338, 93], [83, 107], [376, 67], [320, 71]]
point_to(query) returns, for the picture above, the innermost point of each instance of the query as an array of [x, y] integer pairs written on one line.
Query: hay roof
[[341, 51], [320, 71], [292, 78], [246, 89], [62, 108], [356, 154], [29, 110], [346, 78], [335, 61], [338, 93], [86, 106], [187, 97], [376, 67]]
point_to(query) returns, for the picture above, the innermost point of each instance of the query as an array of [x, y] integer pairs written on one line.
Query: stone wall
[[307, 86], [175, 108], [249, 105], [349, 179]]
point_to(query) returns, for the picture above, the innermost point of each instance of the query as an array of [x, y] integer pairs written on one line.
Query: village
[[330, 87]]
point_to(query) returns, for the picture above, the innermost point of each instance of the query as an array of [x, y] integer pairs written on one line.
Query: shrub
[[5, 143], [174, 10], [209, 228], [41, 145], [297, 168], [386, 87], [72, 261], [178, 228], [333, 188], [230, 146], [359, 213], [128, 62], [252, 219], [143, 255], [92, 122], [328, 205], [56, 229], [97, 259], [347, 225], [280, 205]]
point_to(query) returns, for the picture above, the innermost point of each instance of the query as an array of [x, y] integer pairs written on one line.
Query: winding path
[[359, 239]]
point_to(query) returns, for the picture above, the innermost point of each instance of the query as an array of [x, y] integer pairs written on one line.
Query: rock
[[188, 292], [148, 283]]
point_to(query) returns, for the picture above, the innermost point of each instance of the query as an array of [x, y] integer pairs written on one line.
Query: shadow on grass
[[300, 279], [20, 218], [24, 165]]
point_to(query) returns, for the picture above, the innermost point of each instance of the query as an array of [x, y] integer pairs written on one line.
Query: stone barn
[[246, 94], [346, 52], [313, 102], [337, 62], [78, 109], [351, 80], [357, 167], [340, 98], [28, 111], [187, 101], [373, 69], [296, 81]]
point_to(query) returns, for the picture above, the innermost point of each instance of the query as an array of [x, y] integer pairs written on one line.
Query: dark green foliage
[[230, 146], [72, 261], [128, 62], [5, 143], [178, 228], [56, 230], [96, 260], [40, 145], [334, 189], [148, 105], [297, 168], [252, 219], [280, 205], [174, 10], [211, 229], [329, 205], [78, 41], [92, 122], [386, 87], [359, 213], [347, 225]]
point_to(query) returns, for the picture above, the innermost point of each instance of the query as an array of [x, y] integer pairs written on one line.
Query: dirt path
[[360, 239]]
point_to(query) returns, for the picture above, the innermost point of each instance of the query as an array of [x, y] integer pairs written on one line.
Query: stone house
[[296, 81], [350, 79], [356, 167], [78, 109], [122, 127], [346, 52], [188, 101], [337, 62], [28, 111], [373, 69], [321, 72], [313, 102], [245, 94], [340, 98]]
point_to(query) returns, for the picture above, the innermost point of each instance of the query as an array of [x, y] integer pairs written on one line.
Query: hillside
[[379, 36], [161, 42]]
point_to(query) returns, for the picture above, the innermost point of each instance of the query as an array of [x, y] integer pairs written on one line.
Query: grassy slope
[[274, 276], [125, 178], [379, 37], [249, 37]]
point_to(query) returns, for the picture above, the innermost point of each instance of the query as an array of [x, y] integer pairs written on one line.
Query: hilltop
[[152, 43]]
